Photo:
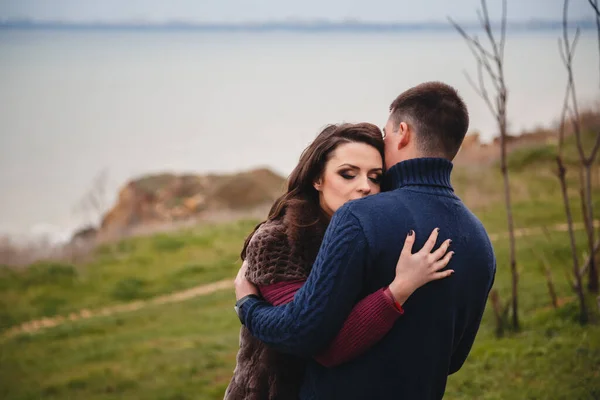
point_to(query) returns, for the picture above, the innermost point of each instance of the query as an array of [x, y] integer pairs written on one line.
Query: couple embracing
[[369, 278]]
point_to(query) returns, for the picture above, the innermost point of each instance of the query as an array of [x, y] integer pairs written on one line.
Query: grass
[[177, 351], [187, 350], [136, 268], [552, 358]]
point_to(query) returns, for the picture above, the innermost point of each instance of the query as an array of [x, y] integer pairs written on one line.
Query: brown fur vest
[[280, 250]]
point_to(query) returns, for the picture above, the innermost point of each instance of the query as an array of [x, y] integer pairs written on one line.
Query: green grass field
[[133, 269], [187, 350]]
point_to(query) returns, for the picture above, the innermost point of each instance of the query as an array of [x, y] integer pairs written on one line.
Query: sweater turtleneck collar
[[431, 172]]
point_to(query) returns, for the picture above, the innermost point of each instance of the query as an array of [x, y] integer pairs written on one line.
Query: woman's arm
[[369, 321]]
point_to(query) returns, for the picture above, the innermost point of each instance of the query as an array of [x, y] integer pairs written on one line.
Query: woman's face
[[353, 171]]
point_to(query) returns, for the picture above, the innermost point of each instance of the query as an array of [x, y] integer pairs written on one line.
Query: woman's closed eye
[[347, 175], [375, 179]]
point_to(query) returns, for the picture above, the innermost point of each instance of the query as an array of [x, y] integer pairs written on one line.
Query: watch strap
[[240, 303]]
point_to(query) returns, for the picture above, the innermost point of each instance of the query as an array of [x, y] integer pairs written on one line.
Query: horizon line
[[299, 25]]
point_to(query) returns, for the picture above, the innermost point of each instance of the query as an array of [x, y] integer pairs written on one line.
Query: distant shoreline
[[302, 26]]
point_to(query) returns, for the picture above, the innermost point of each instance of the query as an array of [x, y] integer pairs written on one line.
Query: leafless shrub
[[492, 62]]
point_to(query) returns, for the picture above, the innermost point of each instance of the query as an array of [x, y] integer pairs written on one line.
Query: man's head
[[428, 120]]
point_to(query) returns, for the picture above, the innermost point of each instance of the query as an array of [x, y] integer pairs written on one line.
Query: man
[[424, 132]]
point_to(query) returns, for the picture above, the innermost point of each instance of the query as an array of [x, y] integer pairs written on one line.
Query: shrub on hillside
[[48, 273], [520, 159], [130, 289]]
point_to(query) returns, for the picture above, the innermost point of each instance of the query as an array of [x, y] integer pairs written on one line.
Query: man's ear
[[404, 134]]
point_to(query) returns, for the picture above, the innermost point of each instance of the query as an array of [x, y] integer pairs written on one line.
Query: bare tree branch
[[593, 275], [488, 67], [592, 156], [503, 29], [571, 115], [586, 162], [483, 88], [482, 49], [480, 92], [563, 56], [493, 64], [594, 5], [485, 23], [482, 55], [568, 61], [488, 29], [567, 53], [94, 202], [565, 111], [473, 42], [586, 264], [575, 41], [577, 286], [480, 18]]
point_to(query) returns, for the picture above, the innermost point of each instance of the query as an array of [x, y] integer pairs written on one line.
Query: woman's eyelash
[[346, 175]]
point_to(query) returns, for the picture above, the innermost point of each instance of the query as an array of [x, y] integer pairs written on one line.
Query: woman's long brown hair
[[312, 164]]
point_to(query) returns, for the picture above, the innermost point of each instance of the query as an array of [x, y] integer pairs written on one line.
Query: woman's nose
[[364, 186]]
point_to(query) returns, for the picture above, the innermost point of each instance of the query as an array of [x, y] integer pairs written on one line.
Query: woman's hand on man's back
[[415, 270]]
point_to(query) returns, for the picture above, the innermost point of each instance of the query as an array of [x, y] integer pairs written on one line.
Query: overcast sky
[[262, 10]]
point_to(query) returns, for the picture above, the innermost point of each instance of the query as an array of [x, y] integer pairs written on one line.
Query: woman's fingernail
[[411, 232], [450, 241]]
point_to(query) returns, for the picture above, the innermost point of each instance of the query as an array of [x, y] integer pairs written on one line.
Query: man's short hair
[[438, 116]]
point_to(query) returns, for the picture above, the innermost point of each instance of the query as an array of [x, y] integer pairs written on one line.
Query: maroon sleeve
[[281, 292], [370, 320]]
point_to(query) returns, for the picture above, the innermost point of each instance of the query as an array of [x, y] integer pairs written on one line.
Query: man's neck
[[408, 153]]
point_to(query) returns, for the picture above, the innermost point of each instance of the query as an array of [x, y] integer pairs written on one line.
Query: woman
[[343, 163]]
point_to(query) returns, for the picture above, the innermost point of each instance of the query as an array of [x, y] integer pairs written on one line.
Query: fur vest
[[280, 250]]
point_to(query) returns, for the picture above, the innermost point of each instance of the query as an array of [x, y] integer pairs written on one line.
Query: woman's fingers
[[242, 271], [439, 253], [428, 246], [408, 243], [242, 285], [442, 275], [438, 265]]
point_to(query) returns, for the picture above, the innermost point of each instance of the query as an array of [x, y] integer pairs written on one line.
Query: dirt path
[[540, 230], [36, 325]]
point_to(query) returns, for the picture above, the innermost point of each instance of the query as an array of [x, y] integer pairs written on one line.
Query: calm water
[[74, 103]]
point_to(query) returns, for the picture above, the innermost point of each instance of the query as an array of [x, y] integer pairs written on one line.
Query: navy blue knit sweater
[[358, 256]]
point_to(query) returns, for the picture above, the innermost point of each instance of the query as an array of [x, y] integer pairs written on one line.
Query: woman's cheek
[[337, 200]]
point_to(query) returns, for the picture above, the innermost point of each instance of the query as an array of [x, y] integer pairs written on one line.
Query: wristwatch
[[238, 304]]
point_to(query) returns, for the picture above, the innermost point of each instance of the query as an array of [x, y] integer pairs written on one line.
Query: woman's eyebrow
[[348, 165]]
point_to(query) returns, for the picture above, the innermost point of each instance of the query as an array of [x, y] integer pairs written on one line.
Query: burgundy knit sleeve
[[370, 320], [281, 292]]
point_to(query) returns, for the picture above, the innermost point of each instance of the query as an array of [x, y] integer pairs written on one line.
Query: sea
[[82, 106]]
